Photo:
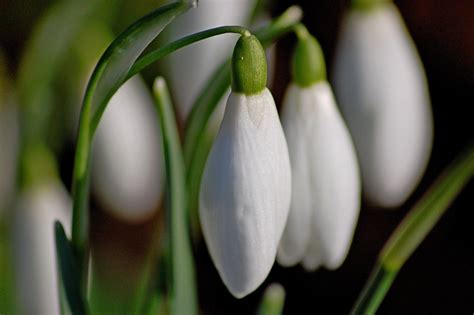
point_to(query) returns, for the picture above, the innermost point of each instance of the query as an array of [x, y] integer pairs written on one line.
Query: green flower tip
[[308, 59], [249, 66], [367, 4]]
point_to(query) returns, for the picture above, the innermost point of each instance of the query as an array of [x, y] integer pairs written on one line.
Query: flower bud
[[326, 186], [246, 186]]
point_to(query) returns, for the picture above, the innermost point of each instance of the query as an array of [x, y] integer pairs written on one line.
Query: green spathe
[[308, 59], [368, 4], [249, 66]]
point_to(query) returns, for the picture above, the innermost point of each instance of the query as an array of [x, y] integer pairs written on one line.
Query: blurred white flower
[[191, 67], [34, 249], [127, 164], [381, 87], [326, 186]]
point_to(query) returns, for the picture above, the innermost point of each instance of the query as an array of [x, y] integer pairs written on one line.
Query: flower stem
[[161, 52], [413, 229]]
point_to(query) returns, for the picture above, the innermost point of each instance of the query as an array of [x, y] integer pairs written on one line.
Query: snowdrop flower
[[246, 186], [127, 163], [34, 249], [326, 186], [381, 87], [187, 77]]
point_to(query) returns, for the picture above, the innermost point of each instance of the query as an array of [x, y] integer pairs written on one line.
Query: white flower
[[245, 192], [191, 67], [127, 164], [34, 249], [381, 87], [246, 186], [326, 187]]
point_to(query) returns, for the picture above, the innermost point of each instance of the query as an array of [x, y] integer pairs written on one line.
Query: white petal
[[334, 175], [328, 180], [297, 232], [245, 192], [381, 88], [314, 256], [127, 165], [192, 66], [34, 250]]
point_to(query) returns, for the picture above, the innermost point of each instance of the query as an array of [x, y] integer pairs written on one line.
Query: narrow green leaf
[[183, 283], [71, 297], [107, 77], [413, 230], [427, 212]]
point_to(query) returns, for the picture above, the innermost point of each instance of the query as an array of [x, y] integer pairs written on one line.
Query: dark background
[[439, 277]]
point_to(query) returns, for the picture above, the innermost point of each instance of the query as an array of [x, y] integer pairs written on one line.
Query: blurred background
[[438, 278]]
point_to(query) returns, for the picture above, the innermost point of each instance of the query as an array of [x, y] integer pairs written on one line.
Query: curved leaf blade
[[71, 298], [119, 57], [183, 281]]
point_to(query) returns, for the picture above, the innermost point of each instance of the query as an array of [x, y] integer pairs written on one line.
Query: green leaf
[[413, 229], [107, 77], [427, 211], [71, 298], [183, 283]]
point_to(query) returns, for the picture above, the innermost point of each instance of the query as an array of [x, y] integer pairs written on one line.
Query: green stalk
[[413, 230], [161, 52], [181, 269]]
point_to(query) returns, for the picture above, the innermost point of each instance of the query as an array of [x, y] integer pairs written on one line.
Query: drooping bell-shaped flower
[[381, 87], [39, 205], [246, 186], [127, 164], [325, 201], [187, 77]]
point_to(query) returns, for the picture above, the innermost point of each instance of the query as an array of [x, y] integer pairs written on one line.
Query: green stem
[[413, 230], [161, 52]]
